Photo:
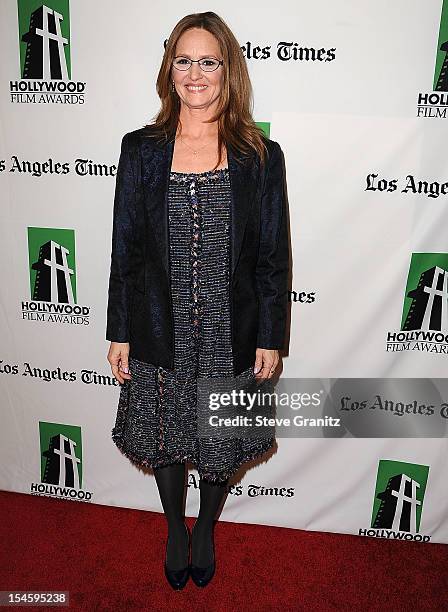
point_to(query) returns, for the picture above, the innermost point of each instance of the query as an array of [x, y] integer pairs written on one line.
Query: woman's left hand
[[266, 361]]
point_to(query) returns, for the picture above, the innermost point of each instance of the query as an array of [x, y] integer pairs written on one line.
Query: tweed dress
[[156, 422]]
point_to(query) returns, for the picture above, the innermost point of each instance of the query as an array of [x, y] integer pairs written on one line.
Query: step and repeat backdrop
[[356, 93]]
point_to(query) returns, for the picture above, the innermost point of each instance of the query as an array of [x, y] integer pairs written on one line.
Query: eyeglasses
[[207, 64]]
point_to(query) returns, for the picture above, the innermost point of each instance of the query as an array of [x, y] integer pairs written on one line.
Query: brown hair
[[236, 125]]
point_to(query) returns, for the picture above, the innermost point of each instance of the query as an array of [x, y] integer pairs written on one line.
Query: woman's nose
[[195, 69]]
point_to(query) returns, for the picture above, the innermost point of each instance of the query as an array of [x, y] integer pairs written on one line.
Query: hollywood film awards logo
[[61, 463], [45, 60], [424, 323], [52, 271], [398, 502], [435, 104]]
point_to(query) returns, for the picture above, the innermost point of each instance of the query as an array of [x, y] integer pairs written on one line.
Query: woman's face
[[195, 44]]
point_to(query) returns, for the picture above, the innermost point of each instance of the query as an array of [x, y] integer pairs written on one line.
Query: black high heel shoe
[[201, 576], [178, 578]]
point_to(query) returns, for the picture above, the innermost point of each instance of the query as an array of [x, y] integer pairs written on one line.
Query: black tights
[[171, 484]]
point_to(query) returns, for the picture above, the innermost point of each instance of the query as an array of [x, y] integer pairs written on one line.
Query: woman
[[198, 279]]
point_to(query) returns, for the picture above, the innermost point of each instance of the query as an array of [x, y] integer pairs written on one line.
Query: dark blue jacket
[[139, 307]]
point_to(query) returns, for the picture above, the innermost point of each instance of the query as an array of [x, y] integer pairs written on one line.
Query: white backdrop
[[338, 121]]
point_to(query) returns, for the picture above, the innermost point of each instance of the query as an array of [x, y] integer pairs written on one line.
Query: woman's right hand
[[118, 359]]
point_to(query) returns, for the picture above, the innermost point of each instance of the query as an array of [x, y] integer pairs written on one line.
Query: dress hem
[[215, 477]]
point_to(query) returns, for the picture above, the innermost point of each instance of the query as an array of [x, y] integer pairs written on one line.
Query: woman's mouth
[[196, 87]]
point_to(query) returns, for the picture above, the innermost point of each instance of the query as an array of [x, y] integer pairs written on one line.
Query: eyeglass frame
[[220, 63]]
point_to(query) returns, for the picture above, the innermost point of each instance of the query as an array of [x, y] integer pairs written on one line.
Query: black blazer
[[139, 307]]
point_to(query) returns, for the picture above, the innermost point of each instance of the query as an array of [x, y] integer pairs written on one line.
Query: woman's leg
[[171, 484], [211, 496]]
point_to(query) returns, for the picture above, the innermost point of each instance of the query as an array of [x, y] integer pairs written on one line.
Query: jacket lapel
[[156, 166]]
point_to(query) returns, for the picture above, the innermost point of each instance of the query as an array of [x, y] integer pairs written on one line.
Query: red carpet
[[111, 559]]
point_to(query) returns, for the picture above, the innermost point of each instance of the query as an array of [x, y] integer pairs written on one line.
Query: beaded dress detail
[[156, 422]]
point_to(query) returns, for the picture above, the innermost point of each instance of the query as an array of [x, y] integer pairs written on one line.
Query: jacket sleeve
[[273, 256], [121, 263]]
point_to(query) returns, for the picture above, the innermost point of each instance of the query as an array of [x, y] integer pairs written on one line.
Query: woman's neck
[[194, 129]]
